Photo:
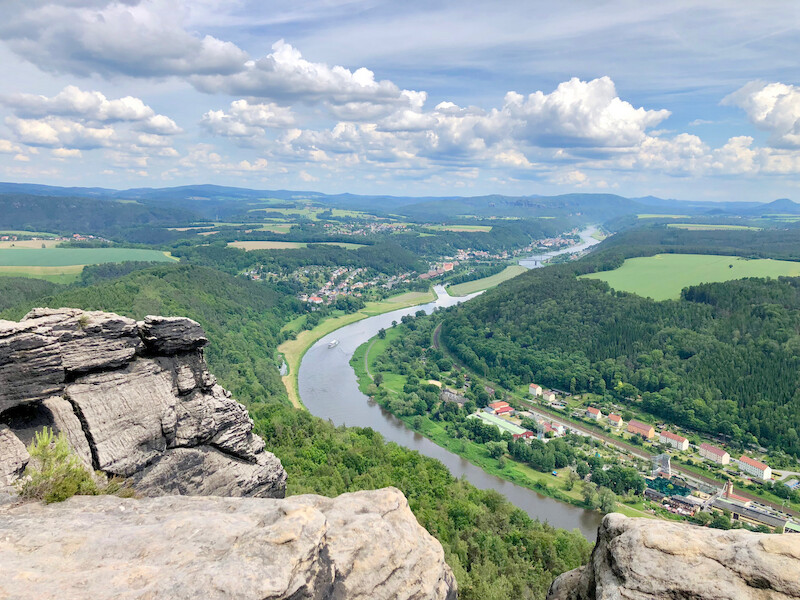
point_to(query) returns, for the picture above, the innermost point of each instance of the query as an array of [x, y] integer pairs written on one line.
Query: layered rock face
[[360, 546], [644, 559], [134, 399]]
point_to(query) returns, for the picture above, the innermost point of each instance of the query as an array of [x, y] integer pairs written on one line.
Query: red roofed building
[[642, 429], [714, 454], [496, 405], [673, 439], [503, 410], [615, 420], [594, 413], [755, 468], [525, 435]]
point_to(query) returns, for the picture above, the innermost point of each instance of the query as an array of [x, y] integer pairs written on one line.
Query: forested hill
[[242, 318], [123, 220], [496, 551], [722, 359]]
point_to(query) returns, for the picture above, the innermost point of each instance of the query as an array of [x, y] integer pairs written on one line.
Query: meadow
[[469, 287], [711, 227], [64, 265], [460, 228], [655, 216], [274, 245], [663, 276]]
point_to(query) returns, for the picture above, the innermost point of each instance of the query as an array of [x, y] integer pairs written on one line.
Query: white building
[[755, 468], [673, 439], [615, 420], [549, 396], [714, 454], [594, 413], [535, 390]]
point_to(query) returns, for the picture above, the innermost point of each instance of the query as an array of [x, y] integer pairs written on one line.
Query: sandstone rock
[[170, 335], [643, 559], [89, 340], [13, 457], [205, 471], [30, 364], [127, 411], [366, 545]]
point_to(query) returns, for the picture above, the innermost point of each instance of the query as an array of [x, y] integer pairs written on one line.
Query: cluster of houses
[[439, 270], [346, 282], [545, 428], [750, 466]]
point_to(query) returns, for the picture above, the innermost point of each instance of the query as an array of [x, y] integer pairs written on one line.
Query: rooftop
[[673, 436], [713, 449], [753, 462]]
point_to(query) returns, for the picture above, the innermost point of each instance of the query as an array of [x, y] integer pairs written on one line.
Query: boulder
[[134, 400], [170, 335], [645, 559], [13, 457], [361, 546]]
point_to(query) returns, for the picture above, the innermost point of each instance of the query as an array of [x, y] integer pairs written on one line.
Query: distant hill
[[214, 201], [108, 217], [782, 206]]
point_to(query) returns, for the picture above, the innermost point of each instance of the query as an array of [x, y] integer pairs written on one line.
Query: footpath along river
[[329, 389]]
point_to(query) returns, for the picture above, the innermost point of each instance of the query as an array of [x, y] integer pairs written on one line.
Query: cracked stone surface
[[645, 559], [359, 546], [134, 399]]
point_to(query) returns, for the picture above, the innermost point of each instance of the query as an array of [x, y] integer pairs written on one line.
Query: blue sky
[[693, 100]]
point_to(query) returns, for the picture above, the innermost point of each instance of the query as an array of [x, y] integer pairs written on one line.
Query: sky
[[691, 100]]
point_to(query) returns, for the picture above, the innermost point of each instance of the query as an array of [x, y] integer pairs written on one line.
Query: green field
[[710, 227], [461, 228], [63, 257], [655, 216], [28, 233], [64, 265], [469, 287], [663, 276], [276, 245]]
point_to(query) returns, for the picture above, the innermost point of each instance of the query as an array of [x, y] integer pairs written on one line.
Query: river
[[587, 241], [329, 389]]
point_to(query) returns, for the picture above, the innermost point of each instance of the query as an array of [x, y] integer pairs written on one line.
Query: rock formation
[[360, 546], [644, 559], [134, 399]]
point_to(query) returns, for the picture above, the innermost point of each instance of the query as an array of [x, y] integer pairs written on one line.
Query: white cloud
[[90, 106], [284, 75], [6, 147], [141, 38], [579, 113], [773, 107], [307, 177], [66, 153], [58, 132], [22, 158], [247, 120]]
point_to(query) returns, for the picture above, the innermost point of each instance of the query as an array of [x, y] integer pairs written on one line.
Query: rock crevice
[[135, 400]]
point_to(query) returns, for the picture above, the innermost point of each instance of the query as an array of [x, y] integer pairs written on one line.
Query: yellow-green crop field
[[460, 228], [663, 276], [711, 227], [280, 245], [63, 265]]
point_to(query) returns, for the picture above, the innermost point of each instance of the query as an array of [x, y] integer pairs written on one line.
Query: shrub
[[55, 472]]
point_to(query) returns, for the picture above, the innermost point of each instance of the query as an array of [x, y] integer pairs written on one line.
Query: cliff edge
[[360, 546], [134, 399], [645, 559]]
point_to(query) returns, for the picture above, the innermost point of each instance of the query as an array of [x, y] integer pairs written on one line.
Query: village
[[675, 491]]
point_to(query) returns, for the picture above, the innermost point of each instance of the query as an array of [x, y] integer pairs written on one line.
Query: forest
[[722, 360], [496, 551]]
